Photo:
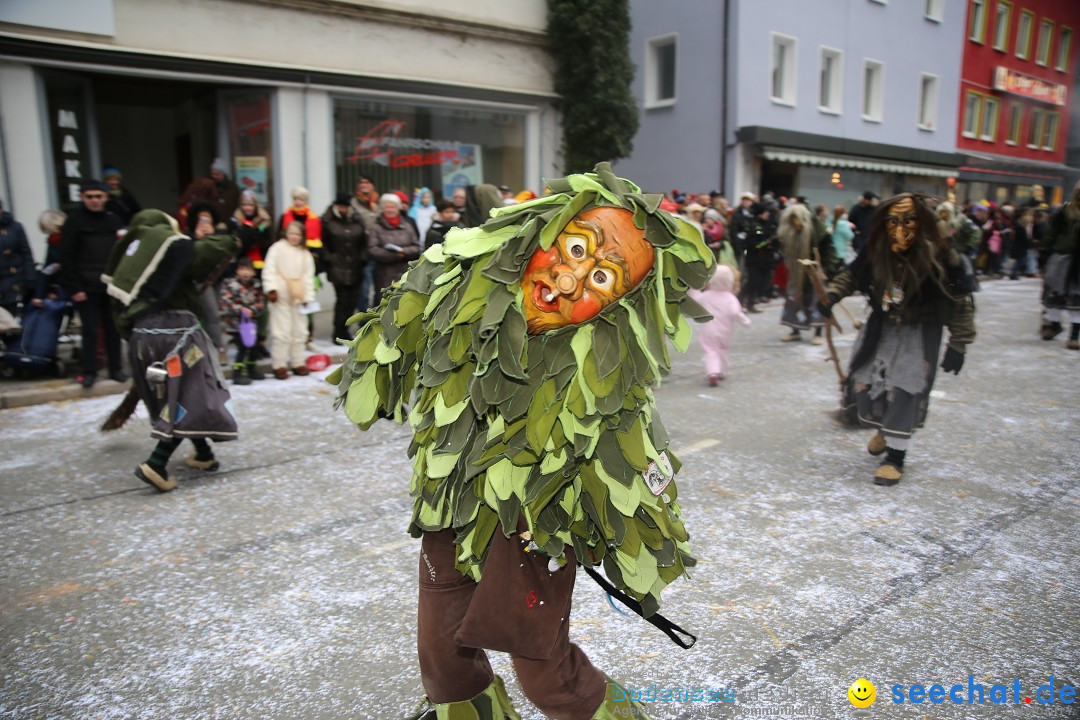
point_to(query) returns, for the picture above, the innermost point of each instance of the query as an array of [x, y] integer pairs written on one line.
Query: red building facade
[[1017, 81]]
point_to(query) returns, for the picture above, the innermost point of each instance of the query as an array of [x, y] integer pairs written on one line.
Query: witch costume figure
[[804, 237], [528, 348], [153, 276], [916, 285], [1061, 276]]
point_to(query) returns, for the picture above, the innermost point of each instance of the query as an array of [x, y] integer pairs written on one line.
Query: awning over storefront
[[803, 157], [999, 168]]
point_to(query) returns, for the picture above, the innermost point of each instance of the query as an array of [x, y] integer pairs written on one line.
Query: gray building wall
[[896, 34], [679, 146]]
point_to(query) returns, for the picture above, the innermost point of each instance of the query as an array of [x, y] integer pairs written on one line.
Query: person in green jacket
[[1061, 276], [155, 276]]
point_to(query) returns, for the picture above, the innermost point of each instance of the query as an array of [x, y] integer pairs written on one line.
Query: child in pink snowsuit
[[719, 300]]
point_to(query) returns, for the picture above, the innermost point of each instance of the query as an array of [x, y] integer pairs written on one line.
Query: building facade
[[312, 93], [1019, 75], [797, 98]]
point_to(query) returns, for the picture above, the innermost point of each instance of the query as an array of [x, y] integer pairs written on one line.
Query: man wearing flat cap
[[86, 240]]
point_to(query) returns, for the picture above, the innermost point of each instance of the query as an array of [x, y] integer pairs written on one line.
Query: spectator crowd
[[263, 300]]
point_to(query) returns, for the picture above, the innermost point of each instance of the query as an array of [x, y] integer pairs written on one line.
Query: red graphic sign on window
[[382, 145]]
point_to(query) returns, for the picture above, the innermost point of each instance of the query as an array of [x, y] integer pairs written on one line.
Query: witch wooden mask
[[902, 224], [598, 257]]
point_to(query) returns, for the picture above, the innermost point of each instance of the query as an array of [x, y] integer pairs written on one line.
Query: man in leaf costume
[[528, 347]]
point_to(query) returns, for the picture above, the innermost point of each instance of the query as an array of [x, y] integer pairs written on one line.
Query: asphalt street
[[283, 586]]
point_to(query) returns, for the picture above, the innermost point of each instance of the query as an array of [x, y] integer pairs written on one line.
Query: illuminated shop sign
[[1016, 83]]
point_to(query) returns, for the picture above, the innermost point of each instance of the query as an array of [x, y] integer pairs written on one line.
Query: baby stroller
[[34, 350]]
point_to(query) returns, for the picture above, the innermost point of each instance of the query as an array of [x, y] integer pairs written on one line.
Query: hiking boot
[[891, 469], [150, 476], [87, 380], [1051, 330], [888, 474], [254, 372], [119, 376], [239, 377], [876, 446], [818, 340], [792, 336], [281, 373], [301, 370], [208, 464], [713, 379]]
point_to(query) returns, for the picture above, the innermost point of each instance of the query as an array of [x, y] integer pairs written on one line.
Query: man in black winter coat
[[344, 256], [85, 243], [16, 263], [860, 216]]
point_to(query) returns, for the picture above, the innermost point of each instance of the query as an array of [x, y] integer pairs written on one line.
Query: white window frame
[[836, 105], [791, 64], [1016, 111], [934, 10], [932, 125], [1043, 51], [878, 102], [972, 134], [1055, 125], [1064, 48], [1002, 46], [1023, 39], [1035, 129], [652, 70], [977, 31], [988, 101]]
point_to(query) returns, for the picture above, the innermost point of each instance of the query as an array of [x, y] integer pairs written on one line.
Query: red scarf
[[394, 221]]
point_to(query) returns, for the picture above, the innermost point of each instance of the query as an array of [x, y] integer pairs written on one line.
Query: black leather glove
[[826, 310], [953, 361]]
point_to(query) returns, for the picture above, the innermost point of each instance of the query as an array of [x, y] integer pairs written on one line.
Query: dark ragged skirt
[[193, 401]]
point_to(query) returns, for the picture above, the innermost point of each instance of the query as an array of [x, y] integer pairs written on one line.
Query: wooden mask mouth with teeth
[[599, 257]]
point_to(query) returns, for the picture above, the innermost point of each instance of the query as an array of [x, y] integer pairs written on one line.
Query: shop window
[[1050, 131], [873, 91], [403, 146], [977, 21], [783, 69], [1035, 129], [1046, 39], [1064, 48], [248, 120], [831, 91], [928, 90], [1023, 34], [660, 71], [1002, 16], [988, 126], [934, 10], [1016, 118], [972, 106]]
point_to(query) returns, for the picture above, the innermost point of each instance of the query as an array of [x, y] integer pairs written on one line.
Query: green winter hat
[[558, 428]]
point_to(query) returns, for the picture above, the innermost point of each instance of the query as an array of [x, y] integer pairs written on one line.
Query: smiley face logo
[[862, 693]]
